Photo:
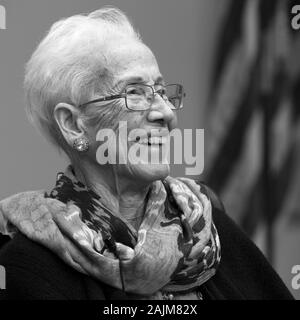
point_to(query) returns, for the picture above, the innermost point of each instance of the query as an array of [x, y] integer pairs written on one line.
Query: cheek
[[134, 119], [105, 117], [173, 123], [113, 116]]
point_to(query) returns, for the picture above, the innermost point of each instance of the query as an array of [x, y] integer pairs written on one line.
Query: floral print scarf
[[175, 249]]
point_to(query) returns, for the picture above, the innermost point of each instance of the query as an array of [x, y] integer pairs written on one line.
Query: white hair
[[69, 65]]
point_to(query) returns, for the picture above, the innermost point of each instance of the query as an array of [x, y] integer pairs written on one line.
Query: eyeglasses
[[140, 97]]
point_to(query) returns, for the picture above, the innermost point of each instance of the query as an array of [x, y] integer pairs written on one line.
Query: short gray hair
[[69, 65]]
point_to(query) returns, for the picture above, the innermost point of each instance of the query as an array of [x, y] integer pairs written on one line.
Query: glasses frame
[[124, 95]]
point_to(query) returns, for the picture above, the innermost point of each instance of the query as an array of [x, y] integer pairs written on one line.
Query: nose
[[161, 112]]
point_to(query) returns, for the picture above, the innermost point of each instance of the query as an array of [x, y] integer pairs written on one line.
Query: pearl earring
[[81, 144]]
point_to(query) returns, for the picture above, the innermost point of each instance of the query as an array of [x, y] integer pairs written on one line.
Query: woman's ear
[[69, 122]]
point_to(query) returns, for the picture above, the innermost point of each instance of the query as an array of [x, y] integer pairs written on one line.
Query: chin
[[151, 172]]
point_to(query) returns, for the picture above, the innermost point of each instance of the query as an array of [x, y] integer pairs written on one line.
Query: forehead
[[130, 58]]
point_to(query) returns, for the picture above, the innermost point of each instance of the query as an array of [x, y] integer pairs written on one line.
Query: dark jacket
[[34, 272]]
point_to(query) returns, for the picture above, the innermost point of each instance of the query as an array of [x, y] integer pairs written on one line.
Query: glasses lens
[[175, 95], [139, 97]]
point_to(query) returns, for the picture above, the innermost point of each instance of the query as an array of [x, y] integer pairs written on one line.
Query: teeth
[[152, 140], [155, 140], [143, 141], [164, 140]]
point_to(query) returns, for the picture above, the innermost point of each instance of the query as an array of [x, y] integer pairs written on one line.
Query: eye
[[162, 92], [135, 90]]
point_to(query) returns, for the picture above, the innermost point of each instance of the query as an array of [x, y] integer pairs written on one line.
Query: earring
[[81, 144]]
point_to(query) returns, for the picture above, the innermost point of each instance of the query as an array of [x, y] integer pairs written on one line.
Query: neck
[[118, 193]]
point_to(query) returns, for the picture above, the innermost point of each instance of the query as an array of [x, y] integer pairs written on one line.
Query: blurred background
[[238, 61]]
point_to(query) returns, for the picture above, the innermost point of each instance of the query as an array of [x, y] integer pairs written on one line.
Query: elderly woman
[[123, 230]]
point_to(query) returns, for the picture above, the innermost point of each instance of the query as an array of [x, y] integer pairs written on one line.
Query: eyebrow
[[133, 79]]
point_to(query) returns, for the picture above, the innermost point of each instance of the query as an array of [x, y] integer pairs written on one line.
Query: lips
[[150, 138]]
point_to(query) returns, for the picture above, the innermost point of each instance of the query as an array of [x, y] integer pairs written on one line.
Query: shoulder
[[215, 200], [244, 272], [34, 272]]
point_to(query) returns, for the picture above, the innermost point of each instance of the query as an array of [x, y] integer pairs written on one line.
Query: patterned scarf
[[175, 249]]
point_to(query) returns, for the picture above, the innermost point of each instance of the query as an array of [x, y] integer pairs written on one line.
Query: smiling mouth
[[150, 141]]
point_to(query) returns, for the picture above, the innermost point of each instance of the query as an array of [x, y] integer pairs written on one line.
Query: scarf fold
[[175, 249]]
